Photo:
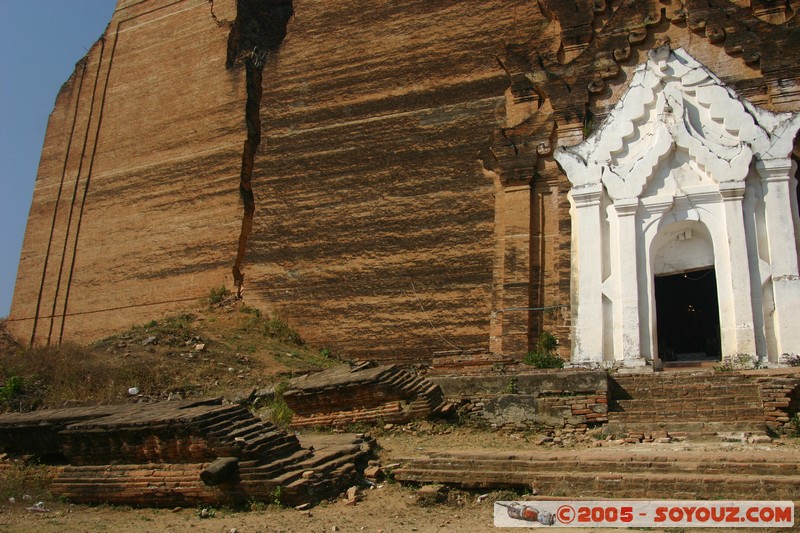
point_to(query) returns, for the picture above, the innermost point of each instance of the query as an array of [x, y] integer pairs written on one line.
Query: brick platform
[[153, 454], [363, 393]]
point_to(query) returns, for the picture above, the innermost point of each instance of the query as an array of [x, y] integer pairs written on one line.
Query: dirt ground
[[387, 507], [391, 508]]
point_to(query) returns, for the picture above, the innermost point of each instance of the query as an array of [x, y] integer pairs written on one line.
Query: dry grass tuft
[[214, 351]]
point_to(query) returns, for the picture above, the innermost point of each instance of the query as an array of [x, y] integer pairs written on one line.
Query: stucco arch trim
[[678, 150]]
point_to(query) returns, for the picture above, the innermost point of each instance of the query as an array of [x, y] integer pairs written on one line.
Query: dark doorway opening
[[687, 314]]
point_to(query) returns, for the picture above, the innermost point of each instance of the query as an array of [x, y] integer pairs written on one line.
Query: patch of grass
[[242, 347], [511, 387], [793, 427], [248, 310], [257, 505], [217, 295], [70, 373], [279, 412], [545, 355], [276, 495], [18, 479], [14, 387], [279, 329]]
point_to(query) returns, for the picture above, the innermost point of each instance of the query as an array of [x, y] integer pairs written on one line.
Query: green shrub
[[278, 328], [279, 412], [545, 355], [793, 427], [276, 496], [14, 386], [248, 310], [218, 294]]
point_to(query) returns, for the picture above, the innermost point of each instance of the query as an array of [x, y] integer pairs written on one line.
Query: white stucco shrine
[[684, 180]]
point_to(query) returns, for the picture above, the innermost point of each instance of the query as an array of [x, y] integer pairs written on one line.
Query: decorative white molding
[[680, 154]]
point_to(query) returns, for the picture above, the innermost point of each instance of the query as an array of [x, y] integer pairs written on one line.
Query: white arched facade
[[683, 175]]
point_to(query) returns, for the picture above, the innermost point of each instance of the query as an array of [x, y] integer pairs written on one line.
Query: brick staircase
[[648, 471], [691, 404]]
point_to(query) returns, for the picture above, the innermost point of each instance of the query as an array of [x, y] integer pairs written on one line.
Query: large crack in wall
[[259, 30]]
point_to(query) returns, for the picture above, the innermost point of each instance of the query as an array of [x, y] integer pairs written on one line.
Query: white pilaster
[[627, 343], [587, 306], [741, 302], [783, 259]]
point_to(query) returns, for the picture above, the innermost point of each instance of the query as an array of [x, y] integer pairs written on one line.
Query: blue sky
[[40, 42]]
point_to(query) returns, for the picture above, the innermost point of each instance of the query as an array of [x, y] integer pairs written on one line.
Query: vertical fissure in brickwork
[[258, 31]]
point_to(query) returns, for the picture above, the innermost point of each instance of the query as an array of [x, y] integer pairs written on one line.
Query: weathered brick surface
[[405, 195], [700, 403], [780, 394], [475, 363], [364, 393], [152, 454], [614, 473], [530, 399]]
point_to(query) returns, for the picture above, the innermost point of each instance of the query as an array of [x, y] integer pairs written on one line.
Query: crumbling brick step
[[709, 391], [681, 402], [692, 430], [628, 466], [700, 404], [588, 474], [704, 413], [389, 412], [471, 364], [365, 393], [162, 484], [148, 455], [585, 485]]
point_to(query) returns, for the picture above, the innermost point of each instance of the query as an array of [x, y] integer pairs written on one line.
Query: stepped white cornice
[[682, 151]]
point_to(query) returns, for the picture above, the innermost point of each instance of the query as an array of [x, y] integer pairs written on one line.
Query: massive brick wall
[[373, 223], [136, 205], [404, 188]]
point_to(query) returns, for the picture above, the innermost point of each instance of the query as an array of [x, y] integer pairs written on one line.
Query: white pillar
[[587, 305], [742, 304], [783, 260], [627, 343]]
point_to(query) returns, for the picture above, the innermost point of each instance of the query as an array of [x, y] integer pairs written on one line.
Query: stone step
[[615, 486], [696, 389], [241, 429], [628, 465], [648, 471], [221, 425], [723, 397], [720, 413], [694, 430], [258, 471], [683, 377], [687, 409], [270, 444]]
